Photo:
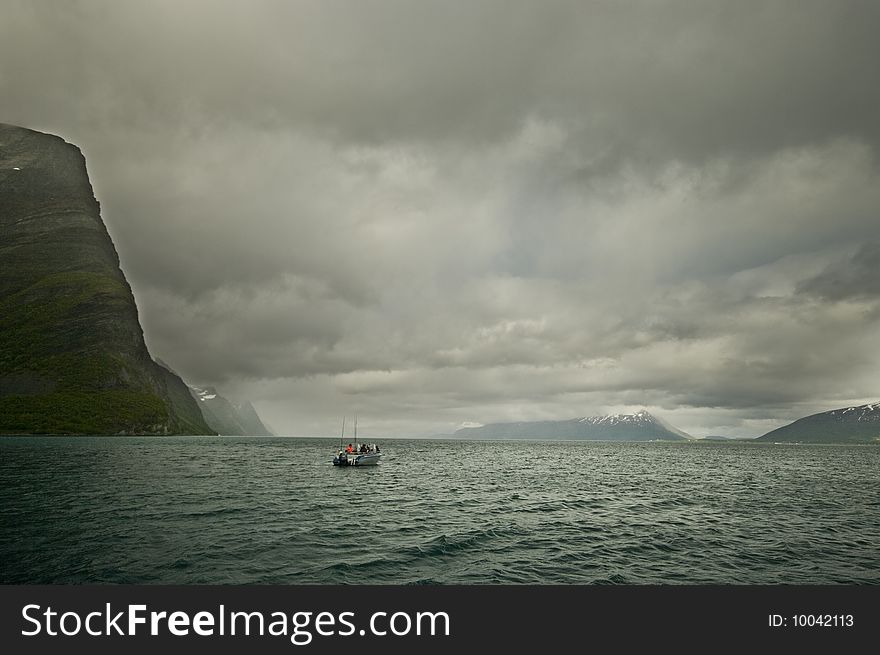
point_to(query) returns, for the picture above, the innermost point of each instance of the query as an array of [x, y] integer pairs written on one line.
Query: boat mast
[[342, 436], [355, 432]]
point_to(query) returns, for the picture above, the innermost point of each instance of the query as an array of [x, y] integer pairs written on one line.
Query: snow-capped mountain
[[641, 426], [860, 424]]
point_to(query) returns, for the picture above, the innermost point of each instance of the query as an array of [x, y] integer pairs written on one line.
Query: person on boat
[[349, 449], [376, 446]]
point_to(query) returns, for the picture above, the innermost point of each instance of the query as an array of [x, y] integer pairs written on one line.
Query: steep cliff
[[72, 353]]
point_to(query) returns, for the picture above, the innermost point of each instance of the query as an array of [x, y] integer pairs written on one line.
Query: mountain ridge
[[228, 418], [224, 417], [856, 424], [641, 426]]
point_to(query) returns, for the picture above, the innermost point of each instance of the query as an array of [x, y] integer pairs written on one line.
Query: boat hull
[[357, 459]]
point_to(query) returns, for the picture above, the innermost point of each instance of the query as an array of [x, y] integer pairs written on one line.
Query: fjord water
[[236, 510]]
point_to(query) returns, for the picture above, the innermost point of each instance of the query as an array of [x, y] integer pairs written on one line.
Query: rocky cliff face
[[72, 353]]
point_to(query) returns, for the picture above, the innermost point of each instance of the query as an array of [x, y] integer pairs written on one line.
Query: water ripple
[[212, 510]]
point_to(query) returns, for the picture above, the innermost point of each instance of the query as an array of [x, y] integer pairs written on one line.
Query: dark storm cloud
[[444, 212], [853, 278], [693, 81]]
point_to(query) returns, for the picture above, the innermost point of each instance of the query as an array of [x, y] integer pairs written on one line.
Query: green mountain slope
[[72, 353]]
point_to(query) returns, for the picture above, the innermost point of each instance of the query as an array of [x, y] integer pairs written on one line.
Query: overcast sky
[[435, 213]]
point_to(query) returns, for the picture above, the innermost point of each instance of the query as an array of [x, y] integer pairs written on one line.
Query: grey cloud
[[696, 81], [435, 213], [856, 278]]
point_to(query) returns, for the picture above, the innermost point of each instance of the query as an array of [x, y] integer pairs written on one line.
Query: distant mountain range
[[641, 426], [846, 425], [222, 416], [233, 419], [859, 424]]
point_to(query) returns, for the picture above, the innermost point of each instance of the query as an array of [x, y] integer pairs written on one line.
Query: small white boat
[[365, 455], [356, 459]]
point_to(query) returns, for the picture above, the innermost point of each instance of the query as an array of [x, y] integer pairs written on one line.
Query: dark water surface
[[200, 510]]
